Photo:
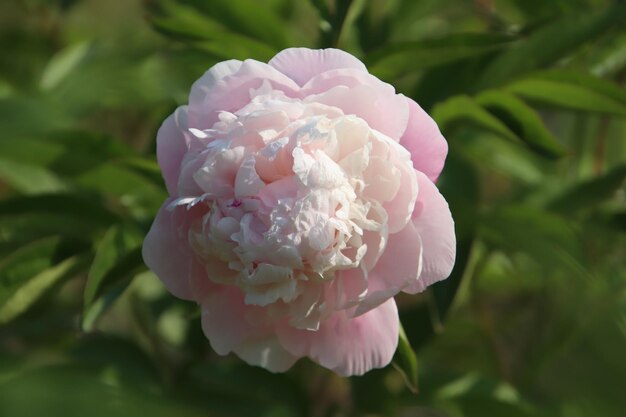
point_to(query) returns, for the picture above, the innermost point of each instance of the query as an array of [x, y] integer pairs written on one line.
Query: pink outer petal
[[210, 78], [302, 64], [172, 146], [425, 142], [359, 93], [232, 326], [168, 257], [348, 346], [232, 92], [434, 223], [399, 267]]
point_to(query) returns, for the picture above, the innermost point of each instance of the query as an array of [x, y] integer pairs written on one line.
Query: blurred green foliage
[[530, 95]]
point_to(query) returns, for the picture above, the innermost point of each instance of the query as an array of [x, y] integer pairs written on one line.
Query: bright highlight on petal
[[301, 201]]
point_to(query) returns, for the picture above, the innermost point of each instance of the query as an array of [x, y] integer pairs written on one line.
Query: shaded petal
[[232, 326], [399, 267], [433, 221], [267, 353], [302, 64], [168, 256], [348, 346], [399, 209], [171, 147], [425, 142], [350, 286]]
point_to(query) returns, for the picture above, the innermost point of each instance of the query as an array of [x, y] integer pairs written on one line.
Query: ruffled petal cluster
[[301, 201]]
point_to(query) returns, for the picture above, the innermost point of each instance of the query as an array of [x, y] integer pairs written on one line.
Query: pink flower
[[301, 201]]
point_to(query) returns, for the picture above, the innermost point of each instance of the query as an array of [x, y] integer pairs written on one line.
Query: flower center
[[293, 192]]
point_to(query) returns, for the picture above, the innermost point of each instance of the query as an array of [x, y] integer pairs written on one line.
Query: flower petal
[[171, 147], [425, 142], [398, 268], [232, 326], [348, 346], [210, 78], [233, 91], [433, 221], [359, 93], [302, 64], [169, 257]]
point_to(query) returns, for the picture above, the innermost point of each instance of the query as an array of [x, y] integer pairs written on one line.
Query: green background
[[530, 96]]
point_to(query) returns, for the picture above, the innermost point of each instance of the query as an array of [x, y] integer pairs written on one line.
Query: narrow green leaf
[[546, 237], [24, 263], [30, 270], [235, 46], [522, 120], [112, 260], [568, 95], [463, 109], [404, 58], [182, 21], [590, 193], [81, 207], [541, 49], [35, 287], [264, 24], [92, 312], [590, 82], [445, 292], [29, 179], [226, 23], [63, 63], [405, 361]]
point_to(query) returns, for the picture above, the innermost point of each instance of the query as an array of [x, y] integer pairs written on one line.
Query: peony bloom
[[301, 201]]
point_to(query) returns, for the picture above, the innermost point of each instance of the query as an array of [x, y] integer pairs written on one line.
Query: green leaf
[[93, 311], [29, 179], [547, 238], [405, 361], [590, 193], [29, 271], [590, 82], [522, 120], [225, 30], [63, 63], [404, 58], [463, 109], [542, 49], [445, 292], [23, 264], [26, 295], [115, 260], [83, 207], [568, 95], [111, 286], [234, 46], [264, 24]]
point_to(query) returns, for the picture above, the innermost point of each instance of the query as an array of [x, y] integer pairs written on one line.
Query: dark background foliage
[[529, 94]]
